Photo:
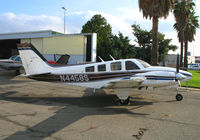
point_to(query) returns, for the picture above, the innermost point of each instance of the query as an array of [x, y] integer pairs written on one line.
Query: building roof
[[32, 34], [36, 34]]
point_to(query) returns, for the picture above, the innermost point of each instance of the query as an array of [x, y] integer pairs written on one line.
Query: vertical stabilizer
[[34, 63]]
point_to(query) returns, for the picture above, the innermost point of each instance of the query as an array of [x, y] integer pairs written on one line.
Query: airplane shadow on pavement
[[74, 109], [7, 77]]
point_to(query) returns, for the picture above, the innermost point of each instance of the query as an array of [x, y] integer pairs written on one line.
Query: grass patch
[[195, 81]]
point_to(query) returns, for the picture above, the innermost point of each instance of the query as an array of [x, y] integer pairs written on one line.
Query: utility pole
[[64, 16]]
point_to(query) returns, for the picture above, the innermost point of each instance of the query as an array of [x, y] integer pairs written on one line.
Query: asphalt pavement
[[35, 110]]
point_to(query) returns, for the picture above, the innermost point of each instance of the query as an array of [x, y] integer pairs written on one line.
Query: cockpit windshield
[[144, 64]]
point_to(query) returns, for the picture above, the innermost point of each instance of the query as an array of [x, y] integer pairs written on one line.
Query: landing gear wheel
[[179, 97], [125, 102]]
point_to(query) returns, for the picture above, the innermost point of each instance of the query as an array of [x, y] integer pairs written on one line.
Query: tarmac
[[35, 110]]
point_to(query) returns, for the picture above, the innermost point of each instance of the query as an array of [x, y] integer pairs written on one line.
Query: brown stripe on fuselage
[[90, 76]]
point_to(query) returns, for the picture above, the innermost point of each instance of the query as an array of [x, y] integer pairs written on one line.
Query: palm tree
[[181, 17], [155, 9], [189, 32], [186, 24]]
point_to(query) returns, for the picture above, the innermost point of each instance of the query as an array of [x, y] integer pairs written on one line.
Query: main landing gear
[[123, 95], [124, 101]]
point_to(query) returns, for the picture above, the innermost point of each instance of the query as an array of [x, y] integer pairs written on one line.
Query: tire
[[125, 102], [179, 97]]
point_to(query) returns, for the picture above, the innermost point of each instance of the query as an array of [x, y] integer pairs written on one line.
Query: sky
[[34, 15]]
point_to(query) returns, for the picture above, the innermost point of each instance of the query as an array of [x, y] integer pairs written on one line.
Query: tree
[[164, 46], [189, 32], [108, 44], [99, 25], [155, 9], [121, 48], [181, 16], [186, 24], [144, 41]]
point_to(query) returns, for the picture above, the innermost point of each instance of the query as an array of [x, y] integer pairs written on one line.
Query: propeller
[[177, 63], [179, 76]]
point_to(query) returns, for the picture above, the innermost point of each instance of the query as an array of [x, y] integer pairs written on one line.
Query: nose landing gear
[[179, 96]]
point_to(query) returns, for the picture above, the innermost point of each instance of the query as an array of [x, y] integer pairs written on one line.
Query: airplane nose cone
[[189, 75], [180, 76]]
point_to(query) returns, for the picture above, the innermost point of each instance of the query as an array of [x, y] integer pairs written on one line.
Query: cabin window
[[131, 66], [18, 59], [116, 66], [89, 69], [144, 64], [102, 67]]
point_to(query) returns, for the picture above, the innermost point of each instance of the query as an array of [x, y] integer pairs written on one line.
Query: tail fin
[[34, 63]]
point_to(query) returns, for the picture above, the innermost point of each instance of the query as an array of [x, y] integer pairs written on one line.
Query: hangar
[[80, 47]]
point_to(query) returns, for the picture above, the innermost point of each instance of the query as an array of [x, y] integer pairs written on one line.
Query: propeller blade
[[177, 64]]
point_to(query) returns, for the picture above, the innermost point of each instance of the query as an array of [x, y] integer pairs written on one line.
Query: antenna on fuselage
[[101, 59], [112, 57]]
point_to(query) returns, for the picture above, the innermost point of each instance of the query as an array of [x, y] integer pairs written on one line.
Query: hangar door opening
[[8, 48]]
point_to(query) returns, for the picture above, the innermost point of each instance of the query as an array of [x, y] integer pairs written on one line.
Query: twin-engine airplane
[[120, 75]]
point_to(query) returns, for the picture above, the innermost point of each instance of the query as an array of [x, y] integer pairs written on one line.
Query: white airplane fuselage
[[115, 74], [95, 78]]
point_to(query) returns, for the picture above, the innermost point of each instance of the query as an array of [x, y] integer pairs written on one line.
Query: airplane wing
[[127, 82]]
